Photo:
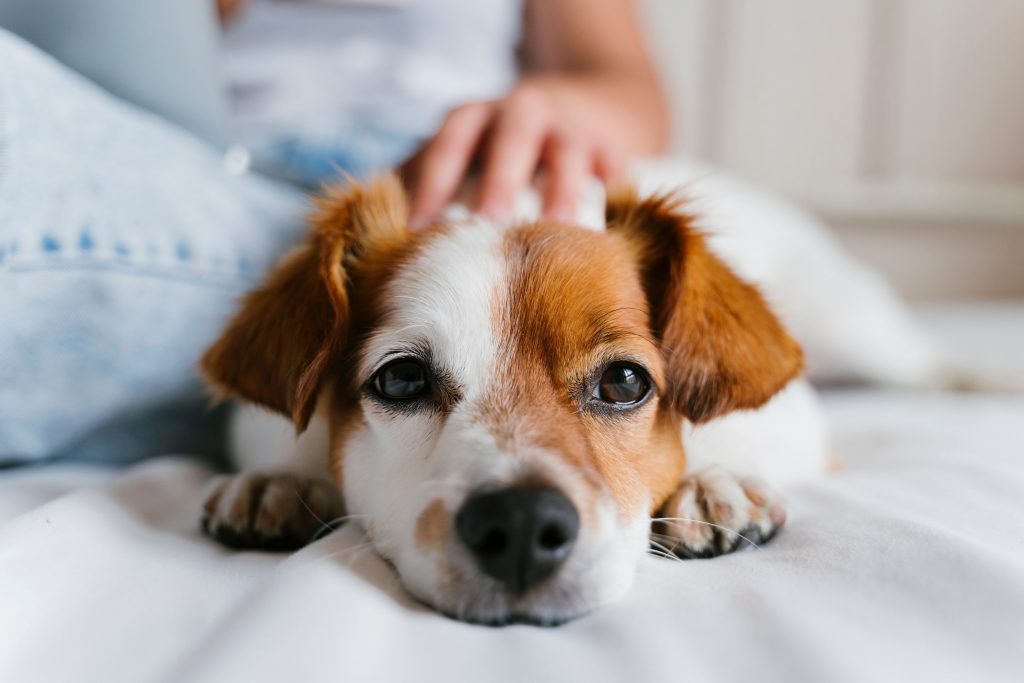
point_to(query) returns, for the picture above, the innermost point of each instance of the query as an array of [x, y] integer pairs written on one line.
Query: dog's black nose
[[519, 535]]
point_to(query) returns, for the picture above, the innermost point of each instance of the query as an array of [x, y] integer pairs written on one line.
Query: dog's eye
[[402, 379], [622, 384]]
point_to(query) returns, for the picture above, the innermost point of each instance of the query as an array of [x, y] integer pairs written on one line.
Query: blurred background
[[900, 122]]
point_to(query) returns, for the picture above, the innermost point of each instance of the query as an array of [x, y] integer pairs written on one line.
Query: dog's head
[[505, 403]]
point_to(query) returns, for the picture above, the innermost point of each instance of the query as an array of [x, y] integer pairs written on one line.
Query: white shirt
[[370, 79]]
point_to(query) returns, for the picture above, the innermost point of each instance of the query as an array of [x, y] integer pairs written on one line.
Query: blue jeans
[[124, 245]]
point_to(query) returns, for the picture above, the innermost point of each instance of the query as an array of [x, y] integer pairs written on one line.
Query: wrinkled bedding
[[906, 564]]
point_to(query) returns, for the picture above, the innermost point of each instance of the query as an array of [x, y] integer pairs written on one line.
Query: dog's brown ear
[[725, 349], [287, 332]]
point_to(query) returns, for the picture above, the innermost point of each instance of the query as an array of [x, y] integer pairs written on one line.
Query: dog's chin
[[500, 610], [480, 600], [516, 619]]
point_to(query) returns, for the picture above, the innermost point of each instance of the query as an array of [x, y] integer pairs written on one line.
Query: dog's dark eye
[[402, 379], [622, 384]]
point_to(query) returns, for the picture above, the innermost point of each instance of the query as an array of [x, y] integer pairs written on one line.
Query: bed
[[906, 564]]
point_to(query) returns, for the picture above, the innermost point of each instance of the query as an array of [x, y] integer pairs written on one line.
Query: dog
[[501, 405]]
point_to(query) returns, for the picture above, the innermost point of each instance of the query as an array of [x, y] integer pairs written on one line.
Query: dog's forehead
[[570, 288], [476, 288]]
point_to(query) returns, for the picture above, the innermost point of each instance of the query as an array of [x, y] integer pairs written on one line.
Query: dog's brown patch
[[433, 526]]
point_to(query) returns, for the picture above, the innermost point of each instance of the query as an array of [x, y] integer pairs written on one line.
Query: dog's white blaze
[[397, 465], [445, 297]]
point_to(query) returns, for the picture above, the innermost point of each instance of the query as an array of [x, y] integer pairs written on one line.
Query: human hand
[[545, 123]]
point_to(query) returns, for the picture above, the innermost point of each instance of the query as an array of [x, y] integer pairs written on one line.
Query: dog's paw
[[277, 511], [714, 512]]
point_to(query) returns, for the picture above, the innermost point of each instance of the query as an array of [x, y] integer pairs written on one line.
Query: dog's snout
[[519, 535]]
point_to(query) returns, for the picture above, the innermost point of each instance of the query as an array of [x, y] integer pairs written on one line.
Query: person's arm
[[587, 101], [598, 46]]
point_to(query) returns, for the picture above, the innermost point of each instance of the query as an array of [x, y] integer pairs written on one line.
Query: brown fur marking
[[433, 526]]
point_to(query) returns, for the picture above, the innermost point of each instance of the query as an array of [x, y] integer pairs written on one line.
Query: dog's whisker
[[357, 551], [663, 555], [345, 518], [678, 521], [332, 524], [667, 539], [304, 504], [668, 552], [354, 554], [301, 561], [365, 545], [324, 525]]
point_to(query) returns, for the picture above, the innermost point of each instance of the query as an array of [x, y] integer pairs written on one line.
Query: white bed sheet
[[906, 565]]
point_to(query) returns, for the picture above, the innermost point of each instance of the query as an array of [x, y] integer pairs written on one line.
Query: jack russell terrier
[[501, 407]]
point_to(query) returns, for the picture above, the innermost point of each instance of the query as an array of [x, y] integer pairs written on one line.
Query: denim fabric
[[309, 163], [124, 244]]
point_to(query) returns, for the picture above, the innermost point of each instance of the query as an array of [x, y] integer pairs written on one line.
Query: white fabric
[[327, 67], [907, 564]]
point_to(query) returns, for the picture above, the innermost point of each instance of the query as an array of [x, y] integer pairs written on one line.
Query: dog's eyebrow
[[608, 331], [417, 348], [610, 334]]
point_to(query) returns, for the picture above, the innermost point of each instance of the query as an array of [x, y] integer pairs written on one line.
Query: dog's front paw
[[279, 511], [714, 512]]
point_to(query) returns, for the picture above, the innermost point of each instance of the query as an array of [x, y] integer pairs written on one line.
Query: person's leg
[[123, 246]]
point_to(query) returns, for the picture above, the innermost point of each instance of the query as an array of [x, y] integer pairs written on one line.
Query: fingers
[[512, 136], [567, 163], [437, 170], [517, 137], [607, 165]]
